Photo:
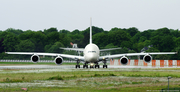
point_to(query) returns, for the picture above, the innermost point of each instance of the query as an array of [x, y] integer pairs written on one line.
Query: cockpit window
[[91, 51]]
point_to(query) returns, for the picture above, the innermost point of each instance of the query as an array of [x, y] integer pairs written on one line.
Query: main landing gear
[[78, 66], [104, 66], [96, 66], [91, 65], [85, 66]]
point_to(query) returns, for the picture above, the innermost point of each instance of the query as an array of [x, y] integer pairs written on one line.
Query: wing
[[49, 54], [75, 49], [110, 49], [134, 54]]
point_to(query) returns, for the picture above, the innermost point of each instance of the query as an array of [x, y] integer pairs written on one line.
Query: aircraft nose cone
[[91, 58]]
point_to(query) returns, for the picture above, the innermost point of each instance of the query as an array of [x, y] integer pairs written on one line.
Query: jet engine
[[147, 58], [124, 60], [58, 60], [35, 58]]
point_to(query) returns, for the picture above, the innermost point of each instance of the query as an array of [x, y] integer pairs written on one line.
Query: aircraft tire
[[96, 66], [91, 66], [77, 66], [104, 66]]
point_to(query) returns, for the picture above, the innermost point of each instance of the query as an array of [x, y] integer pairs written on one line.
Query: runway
[[72, 67]]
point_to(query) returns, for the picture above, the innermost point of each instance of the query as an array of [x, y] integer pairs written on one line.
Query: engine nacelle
[[147, 58], [58, 60], [124, 60], [35, 58]]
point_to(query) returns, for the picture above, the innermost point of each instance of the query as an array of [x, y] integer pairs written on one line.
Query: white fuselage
[[91, 53]]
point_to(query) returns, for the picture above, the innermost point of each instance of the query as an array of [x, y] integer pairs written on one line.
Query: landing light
[[91, 64]]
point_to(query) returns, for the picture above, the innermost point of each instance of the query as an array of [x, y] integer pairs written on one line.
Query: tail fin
[[90, 31]]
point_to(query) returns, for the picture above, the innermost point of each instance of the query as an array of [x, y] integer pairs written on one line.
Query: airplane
[[91, 55]]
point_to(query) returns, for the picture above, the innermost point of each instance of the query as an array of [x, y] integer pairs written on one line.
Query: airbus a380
[[91, 55]]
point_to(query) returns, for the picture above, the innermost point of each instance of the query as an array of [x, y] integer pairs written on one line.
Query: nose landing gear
[[91, 65]]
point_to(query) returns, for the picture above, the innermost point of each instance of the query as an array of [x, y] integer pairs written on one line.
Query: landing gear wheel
[[85, 66], [97, 66], [104, 66], [91, 66], [77, 66]]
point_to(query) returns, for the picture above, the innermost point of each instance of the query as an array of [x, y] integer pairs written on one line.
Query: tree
[[65, 39], [117, 37], [25, 46], [136, 37], [55, 48], [100, 39], [132, 31], [147, 43], [127, 44], [156, 41], [75, 32], [14, 31], [142, 39], [1, 45], [167, 44], [38, 38], [147, 34], [53, 37], [64, 31], [10, 40], [112, 46], [161, 32], [140, 46], [177, 41], [50, 30]]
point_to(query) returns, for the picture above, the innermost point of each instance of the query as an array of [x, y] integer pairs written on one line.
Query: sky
[[75, 14]]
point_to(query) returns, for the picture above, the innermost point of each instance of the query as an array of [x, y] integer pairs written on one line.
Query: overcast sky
[[75, 14]]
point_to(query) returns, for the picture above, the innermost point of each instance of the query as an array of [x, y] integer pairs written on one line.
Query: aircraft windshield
[[91, 51]]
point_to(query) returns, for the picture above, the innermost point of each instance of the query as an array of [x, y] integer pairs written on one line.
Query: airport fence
[[160, 63]]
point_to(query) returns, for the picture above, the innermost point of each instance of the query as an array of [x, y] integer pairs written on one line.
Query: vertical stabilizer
[[90, 31]]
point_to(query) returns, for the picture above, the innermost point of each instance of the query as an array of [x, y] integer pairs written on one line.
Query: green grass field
[[88, 80]]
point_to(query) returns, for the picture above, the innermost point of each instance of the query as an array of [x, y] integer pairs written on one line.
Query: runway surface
[[71, 67]]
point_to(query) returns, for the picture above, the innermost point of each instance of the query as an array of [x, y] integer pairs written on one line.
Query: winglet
[[90, 31]]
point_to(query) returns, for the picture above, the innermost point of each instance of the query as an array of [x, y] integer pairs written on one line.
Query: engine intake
[[58, 60], [124, 60], [147, 58], [35, 58]]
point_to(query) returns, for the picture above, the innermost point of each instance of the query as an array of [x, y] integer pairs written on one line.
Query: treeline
[[49, 40]]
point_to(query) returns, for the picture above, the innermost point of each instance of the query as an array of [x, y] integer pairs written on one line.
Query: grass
[[84, 74], [87, 80]]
